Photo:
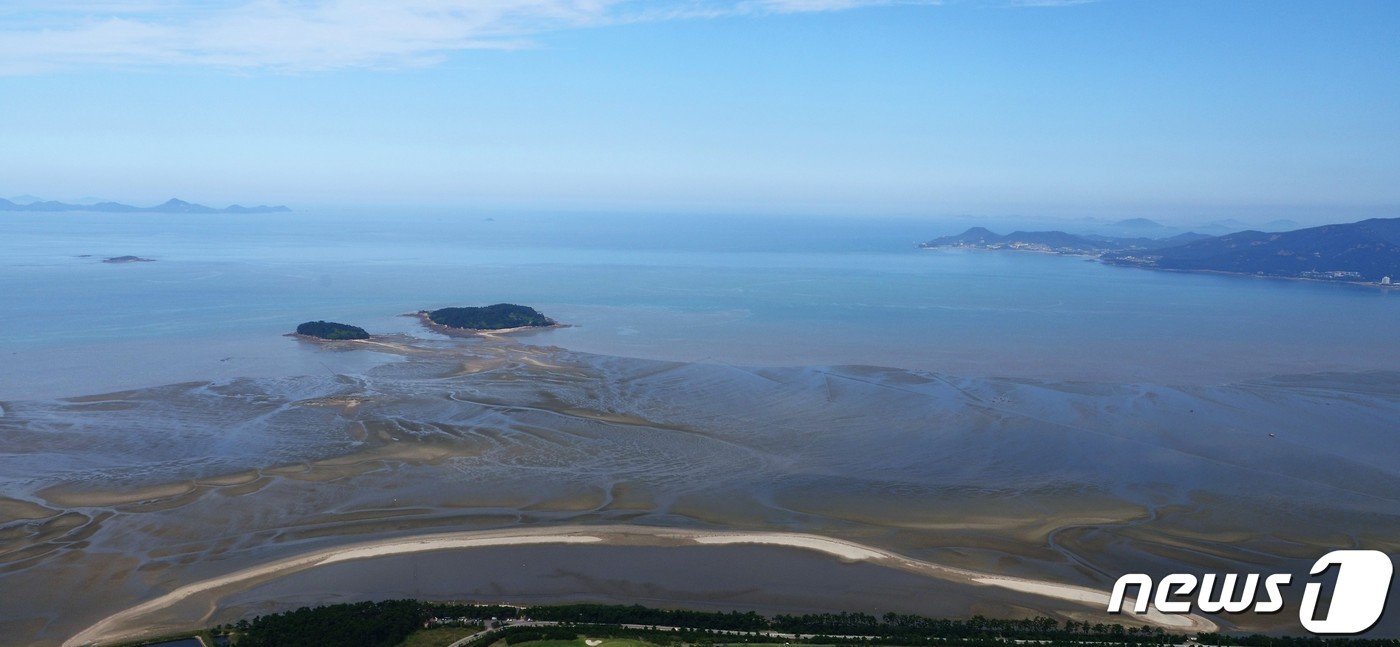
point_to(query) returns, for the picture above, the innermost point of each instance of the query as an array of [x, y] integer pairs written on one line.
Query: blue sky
[[1115, 108]]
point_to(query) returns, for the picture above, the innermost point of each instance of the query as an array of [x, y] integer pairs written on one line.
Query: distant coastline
[[1360, 253], [1276, 277], [1089, 256], [173, 205]]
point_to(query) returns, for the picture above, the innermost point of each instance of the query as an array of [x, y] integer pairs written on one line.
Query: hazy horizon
[[1184, 110], [1072, 220]]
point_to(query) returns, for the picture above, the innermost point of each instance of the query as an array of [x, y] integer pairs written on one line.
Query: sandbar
[[128, 624]]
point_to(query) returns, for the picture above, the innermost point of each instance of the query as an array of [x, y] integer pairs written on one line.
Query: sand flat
[[127, 624], [1067, 484]]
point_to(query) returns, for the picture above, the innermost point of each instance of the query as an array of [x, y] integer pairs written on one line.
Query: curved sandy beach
[[130, 624]]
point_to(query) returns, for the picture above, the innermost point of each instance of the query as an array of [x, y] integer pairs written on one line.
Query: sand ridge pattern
[[120, 498]]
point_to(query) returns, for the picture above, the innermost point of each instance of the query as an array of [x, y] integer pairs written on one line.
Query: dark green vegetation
[[170, 206], [536, 634], [493, 317], [1259, 640], [825, 628], [1359, 251], [640, 615], [331, 330], [438, 636], [386, 624], [366, 624], [128, 259]]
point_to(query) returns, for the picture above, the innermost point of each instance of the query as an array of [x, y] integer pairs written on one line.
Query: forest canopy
[[331, 330], [492, 317]]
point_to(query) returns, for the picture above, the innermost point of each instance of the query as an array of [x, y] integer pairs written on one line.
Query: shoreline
[[391, 343], [125, 625], [1098, 258], [1363, 284], [322, 340], [450, 331]]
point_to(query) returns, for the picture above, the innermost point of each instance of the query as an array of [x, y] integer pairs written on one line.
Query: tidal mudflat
[[117, 499]]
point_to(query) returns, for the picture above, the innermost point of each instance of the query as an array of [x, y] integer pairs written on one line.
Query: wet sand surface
[[766, 579], [165, 614], [111, 500]]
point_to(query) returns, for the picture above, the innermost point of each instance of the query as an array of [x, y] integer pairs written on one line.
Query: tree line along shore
[[401, 623]]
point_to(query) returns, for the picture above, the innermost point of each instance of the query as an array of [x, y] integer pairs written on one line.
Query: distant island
[[128, 259], [1057, 242], [1366, 251], [1140, 223], [498, 317], [331, 330], [170, 206], [1361, 252]]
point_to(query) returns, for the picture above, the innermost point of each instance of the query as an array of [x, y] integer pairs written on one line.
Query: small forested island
[[501, 316], [331, 330], [128, 259]]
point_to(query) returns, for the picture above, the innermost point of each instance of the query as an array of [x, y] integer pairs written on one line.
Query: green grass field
[[583, 642], [439, 637]]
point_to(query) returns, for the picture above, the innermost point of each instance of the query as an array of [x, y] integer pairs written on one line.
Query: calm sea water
[[753, 291]]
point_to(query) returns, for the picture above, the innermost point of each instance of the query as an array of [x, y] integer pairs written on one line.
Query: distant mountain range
[[1056, 241], [1366, 251], [171, 206], [1360, 251], [1136, 227]]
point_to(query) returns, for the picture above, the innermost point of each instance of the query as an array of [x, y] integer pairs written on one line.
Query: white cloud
[[277, 34], [309, 35]]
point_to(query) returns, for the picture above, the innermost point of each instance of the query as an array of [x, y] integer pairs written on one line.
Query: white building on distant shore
[[1385, 280]]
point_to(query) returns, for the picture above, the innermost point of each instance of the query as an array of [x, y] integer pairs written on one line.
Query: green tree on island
[[492, 317], [331, 330]]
